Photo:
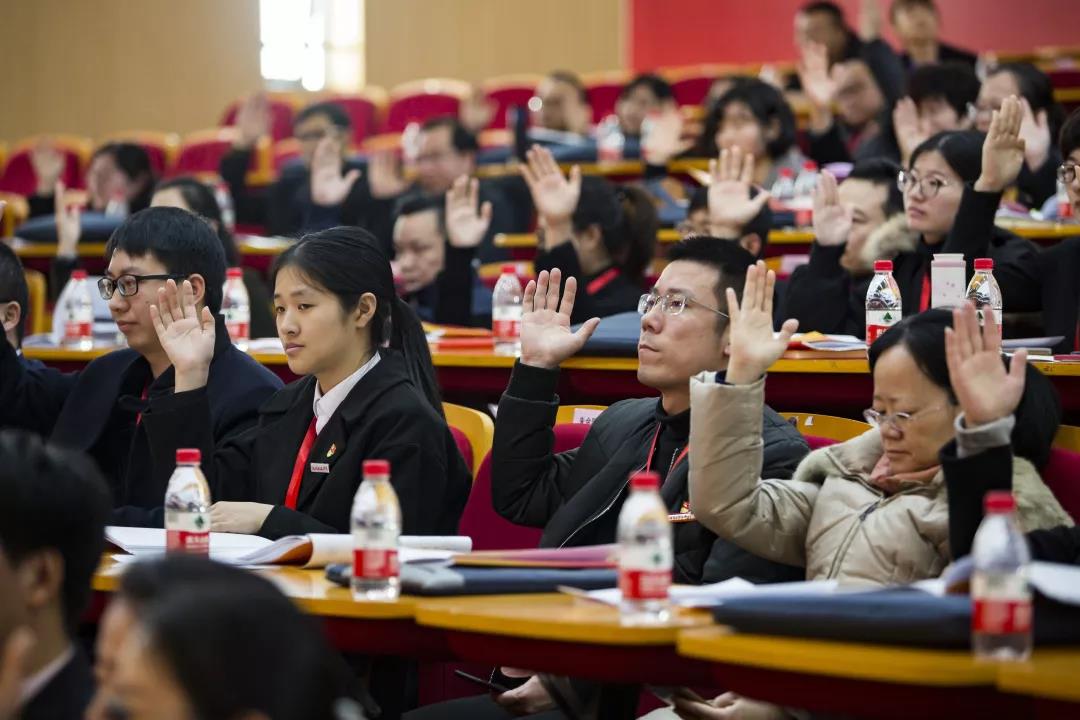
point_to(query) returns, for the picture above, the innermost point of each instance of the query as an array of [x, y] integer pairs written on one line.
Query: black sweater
[[608, 292]]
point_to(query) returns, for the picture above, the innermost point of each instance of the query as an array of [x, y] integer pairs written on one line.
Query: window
[[312, 44]]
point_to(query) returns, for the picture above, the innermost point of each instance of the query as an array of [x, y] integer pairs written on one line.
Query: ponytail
[[406, 335]]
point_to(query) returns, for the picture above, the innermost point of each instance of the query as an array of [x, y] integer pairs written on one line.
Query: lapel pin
[[332, 450]]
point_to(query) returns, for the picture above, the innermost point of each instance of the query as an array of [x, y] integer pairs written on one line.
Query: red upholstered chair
[[463, 445], [18, 176], [506, 92], [419, 100], [603, 90], [162, 147], [823, 430], [366, 110], [282, 110], [201, 152], [1062, 472]]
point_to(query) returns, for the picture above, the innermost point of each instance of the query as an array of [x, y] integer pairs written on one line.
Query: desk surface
[[1052, 674], [246, 244]]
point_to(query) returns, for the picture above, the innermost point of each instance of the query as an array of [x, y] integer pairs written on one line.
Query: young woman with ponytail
[[592, 230], [368, 391]]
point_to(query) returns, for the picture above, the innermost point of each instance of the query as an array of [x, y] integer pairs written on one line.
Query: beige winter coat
[[828, 517]]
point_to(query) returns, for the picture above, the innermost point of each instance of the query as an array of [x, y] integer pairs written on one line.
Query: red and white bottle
[[376, 527], [883, 305], [78, 313], [803, 192], [236, 308], [1001, 612], [645, 553], [984, 292], [187, 506], [506, 311]]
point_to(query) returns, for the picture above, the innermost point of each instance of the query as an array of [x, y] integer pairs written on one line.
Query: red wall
[[688, 32]]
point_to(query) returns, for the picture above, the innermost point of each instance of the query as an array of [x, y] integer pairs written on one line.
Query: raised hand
[[186, 335], [48, 164], [1035, 132], [328, 186], [1003, 149], [554, 196], [730, 204], [384, 176], [466, 219], [832, 220], [909, 127], [68, 223], [869, 20], [244, 518], [665, 137], [252, 121], [546, 339], [814, 76], [985, 390], [753, 347]]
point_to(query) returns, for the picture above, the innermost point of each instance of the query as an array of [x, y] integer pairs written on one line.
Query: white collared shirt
[[37, 682], [325, 405]]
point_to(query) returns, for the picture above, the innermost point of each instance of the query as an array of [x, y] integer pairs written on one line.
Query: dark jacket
[[449, 300], [97, 411], [65, 696], [576, 495], [383, 417], [1035, 187], [823, 296], [946, 54], [608, 292], [969, 479], [1059, 268]]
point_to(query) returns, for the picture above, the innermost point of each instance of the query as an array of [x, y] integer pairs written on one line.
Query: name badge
[[320, 467], [681, 517]]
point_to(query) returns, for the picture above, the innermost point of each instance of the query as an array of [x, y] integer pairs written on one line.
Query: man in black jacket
[[98, 410], [53, 506]]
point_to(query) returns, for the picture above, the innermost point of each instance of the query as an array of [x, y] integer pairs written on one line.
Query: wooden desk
[[1052, 675]]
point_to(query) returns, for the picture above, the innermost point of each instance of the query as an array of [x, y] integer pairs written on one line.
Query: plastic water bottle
[[883, 305], [376, 527], [410, 143], [506, 311], [236, 308], [783, 190], [78, 313], [645, 553], [803, 192], [610, 140], [1064, 205], [225, 204], [187, 506], [984, 291], [117, 207], [1001, 612]]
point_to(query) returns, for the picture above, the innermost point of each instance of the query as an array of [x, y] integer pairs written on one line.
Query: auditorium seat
[[18, 176], [1062, 471], [603, 89], [15, 213], [284, 152], [161, 147], [508, 91], [201, 152], [823, 430], [366, 109], [476, 427], [691, 85], [419, 100]]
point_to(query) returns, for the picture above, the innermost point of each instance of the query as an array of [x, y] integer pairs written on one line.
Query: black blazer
[[95, 411], [383, 417], [66, 696]]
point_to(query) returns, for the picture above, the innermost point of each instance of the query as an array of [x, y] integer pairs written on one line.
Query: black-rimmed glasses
[[128, 285]]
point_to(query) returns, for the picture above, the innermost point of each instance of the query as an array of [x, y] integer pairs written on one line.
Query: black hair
[[1035, 87], [898, 5], [331, 111], [13, 286], [760, 225], [1070, 134], [134, 162], [627, 220], [572, 79], [1039, 413], [882, 172], [658, 86], [460, 137], [144, 583], [199, 198], [953, 82], [727, 257], [834, 11], [180, 240], [238, 645], [415, 203], [962, 150], [53, 499], [348, 262], [765, 103]]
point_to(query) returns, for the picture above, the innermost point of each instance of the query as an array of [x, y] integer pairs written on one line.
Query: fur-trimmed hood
[[889, 240]]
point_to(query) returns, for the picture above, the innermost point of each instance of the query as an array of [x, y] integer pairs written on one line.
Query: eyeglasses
[[128, 285], [670, 304], [1067, 172], [907, 181], [899, 420]]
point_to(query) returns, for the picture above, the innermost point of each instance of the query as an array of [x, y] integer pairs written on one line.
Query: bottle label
[[506, 322], [238, 330], [878, 321], [187, 532], [1001, 616], [78, 330], [644, 573], [375, 563], [997, 316]]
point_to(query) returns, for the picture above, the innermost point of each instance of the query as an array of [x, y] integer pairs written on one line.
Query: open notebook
[[312, 551]]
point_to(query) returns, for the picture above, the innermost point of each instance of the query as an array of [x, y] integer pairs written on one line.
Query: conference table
[[566, 635]]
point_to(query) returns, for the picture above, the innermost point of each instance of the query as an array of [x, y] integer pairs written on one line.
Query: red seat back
[[1062, 476], [421, 100], [19, 177], [507, 97], [692, 90], [363, 113], [281, 117], [816, 442], [602, 98], [463, 446]]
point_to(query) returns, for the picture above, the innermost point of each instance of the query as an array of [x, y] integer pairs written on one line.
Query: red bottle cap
[[78, 274], [999, 501], [809, 165], [509, 269], [787, 172], [188, 456], [881, 265], [234, 272], [376, 467], [644, 481], [984, 264]]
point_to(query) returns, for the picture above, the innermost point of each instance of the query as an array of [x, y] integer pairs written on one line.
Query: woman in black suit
[[369, 392]]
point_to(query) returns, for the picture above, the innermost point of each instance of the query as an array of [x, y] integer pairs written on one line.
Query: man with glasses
[[98, 410]]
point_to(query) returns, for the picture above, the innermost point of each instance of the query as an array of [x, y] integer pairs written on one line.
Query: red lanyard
[[924, 300], [145, 392], [652, 451], [298, 468], [601, 281]]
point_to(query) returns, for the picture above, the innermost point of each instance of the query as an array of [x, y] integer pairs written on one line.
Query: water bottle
[[803, 194], [78, 313], [236, 308], [117, 207], [645, 553], [410, 143], [1001, 612], [1064, 205], [225, 204], [187, 506], [506, 312], [610, 140], [783, 190], [983, 290], [883, 305], [376, 527]]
